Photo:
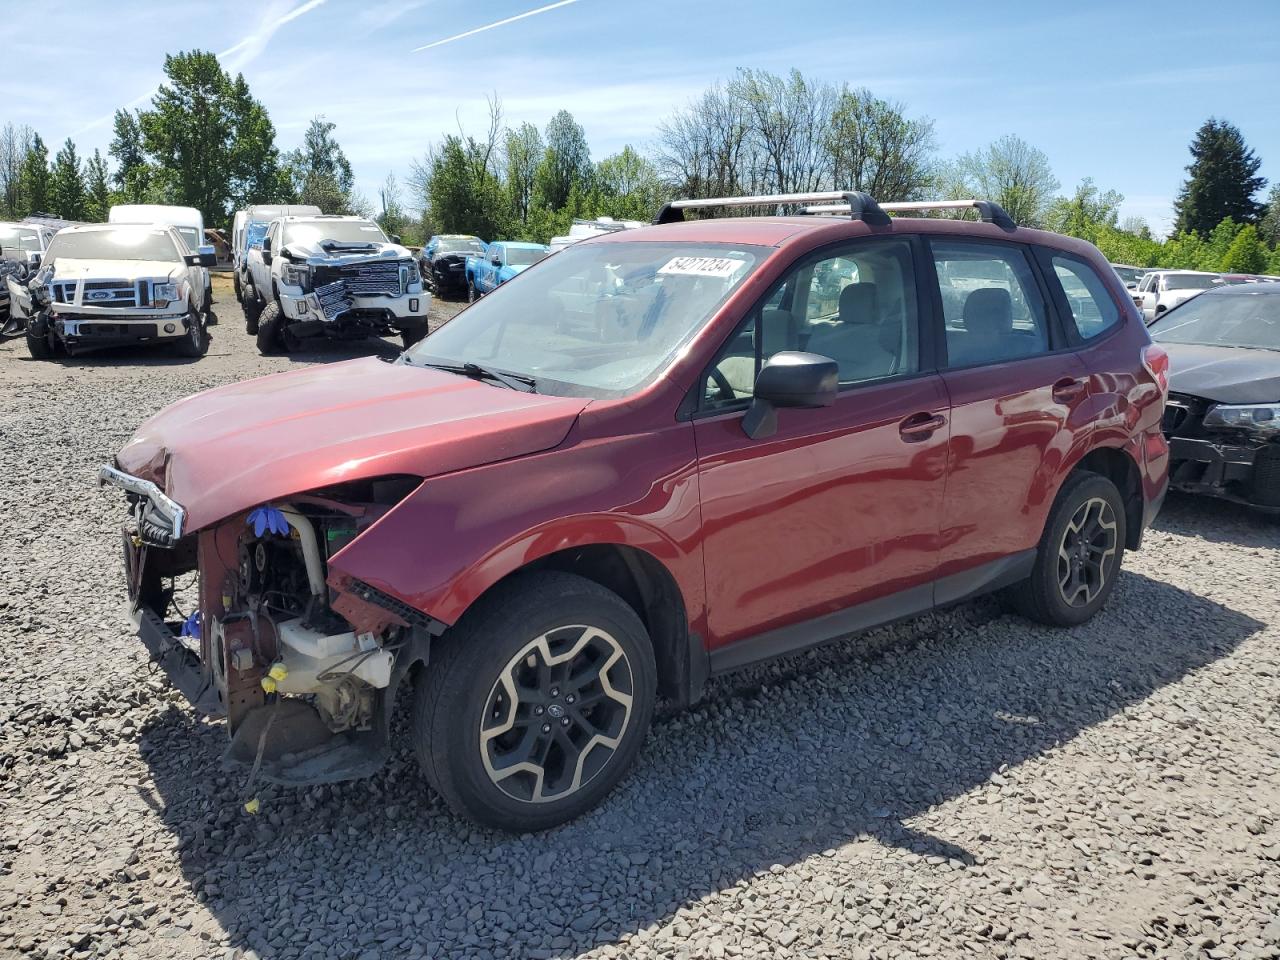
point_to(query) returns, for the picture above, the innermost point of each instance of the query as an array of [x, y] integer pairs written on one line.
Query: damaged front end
[[245, 620]]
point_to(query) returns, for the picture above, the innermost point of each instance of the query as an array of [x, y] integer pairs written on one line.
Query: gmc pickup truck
[[502, 261]]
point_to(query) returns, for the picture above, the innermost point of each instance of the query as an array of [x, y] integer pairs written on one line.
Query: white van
[[187, 221], [261, 214]]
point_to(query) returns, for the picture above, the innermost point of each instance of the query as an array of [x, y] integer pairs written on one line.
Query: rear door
[[1014, 383], [841, 506]]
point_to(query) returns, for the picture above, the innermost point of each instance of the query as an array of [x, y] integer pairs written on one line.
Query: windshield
[[1189, 281], [595, 320], [341, 231], [523, 256], [1228, 320], [127, 243], [459, 245], [1129, 274], [17, 242]]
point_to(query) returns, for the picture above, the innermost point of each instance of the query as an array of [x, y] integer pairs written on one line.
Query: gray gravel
[[964, 784]]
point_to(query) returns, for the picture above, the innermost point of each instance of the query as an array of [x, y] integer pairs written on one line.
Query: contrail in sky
[[490, 26]]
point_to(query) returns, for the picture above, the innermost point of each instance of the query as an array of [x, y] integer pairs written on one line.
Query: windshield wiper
[[513, 381]]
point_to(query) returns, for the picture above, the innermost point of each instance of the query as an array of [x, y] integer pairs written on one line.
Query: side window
[[991, 304], [858, 308], [1091, 305]]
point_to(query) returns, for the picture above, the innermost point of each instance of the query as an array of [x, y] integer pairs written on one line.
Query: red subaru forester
[[656, 456]]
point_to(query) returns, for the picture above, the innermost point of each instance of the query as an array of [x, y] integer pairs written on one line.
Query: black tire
[[268, 329], [472, 293], [39, 347], [195, 342], [412, 334], [462, 690], [235, 281], [1064, 588], [252, 311]]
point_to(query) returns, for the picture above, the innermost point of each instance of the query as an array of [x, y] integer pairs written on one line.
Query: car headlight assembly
[[296, 274], [1259, 418], [162, 294]]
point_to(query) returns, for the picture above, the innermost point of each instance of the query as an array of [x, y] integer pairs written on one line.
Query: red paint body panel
[[248, 443], [833, 510]]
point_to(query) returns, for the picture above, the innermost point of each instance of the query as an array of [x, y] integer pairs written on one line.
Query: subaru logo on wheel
[[98, 295]]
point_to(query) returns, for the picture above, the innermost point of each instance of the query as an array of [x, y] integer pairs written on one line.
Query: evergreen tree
[[33, 191], [133, 174], [566, 162], [320, 171], [97, 190], [66, 183], [1223, 180]]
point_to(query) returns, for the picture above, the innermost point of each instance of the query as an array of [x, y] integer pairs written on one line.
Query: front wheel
[[270, 338], [472, 293], [195, 342], [1078, 560], [39, 346], [537, 703], [413, 333]]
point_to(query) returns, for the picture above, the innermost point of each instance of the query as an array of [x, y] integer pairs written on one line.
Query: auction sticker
[[723, 267]]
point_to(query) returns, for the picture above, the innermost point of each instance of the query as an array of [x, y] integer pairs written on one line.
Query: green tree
[[1269, 225], [874, 147], [66, 183], [1127, 246], [1247, 254], [97, 189], [1218, 243], [1273, 265], [33, 184], [1009, 171], [524, 152], [14, 142], [1223, 180], [566, 163], [253, 164], [320, 171], [133, 173], [1086, 213], [463, 194], [1182, 251], [627, 187]]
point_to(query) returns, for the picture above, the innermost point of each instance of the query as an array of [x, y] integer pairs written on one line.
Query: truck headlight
[[162, 294], [296, 274], [1261, 418]]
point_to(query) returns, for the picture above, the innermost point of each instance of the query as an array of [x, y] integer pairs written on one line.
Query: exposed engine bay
[[304, 670]]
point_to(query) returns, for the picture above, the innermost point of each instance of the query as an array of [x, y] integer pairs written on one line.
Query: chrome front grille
[[377, 277], [100, 293]]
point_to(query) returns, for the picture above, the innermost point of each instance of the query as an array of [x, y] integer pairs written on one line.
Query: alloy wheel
[[1086, 554], [556, 714]]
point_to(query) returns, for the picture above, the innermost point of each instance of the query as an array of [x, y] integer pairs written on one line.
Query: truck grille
[[101, 293], [1266, 476], [378, 277], [334, 299]]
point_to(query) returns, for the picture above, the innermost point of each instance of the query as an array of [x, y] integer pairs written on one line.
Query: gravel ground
[[964, 784]]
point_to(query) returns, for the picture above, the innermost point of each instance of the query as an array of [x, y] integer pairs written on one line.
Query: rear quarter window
[[1092, 310]]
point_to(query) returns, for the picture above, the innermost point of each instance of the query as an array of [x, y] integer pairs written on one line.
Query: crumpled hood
[[70, 269], [234, 447], [1224, 374], [341, 254]]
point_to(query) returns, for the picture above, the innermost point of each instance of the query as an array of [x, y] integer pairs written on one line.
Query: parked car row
[[738, 438]]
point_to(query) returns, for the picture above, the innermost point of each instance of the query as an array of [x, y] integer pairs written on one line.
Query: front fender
[[457, 535]]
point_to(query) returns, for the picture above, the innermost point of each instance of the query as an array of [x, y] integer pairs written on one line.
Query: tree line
[[205, 141]]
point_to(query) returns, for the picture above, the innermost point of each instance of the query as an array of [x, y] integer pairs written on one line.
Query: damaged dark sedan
[[1223, 414]]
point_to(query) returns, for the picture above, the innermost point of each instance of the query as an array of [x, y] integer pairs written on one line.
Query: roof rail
[[859, 205], [988, 210]]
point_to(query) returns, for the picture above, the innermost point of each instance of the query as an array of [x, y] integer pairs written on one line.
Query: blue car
[[502, 261]]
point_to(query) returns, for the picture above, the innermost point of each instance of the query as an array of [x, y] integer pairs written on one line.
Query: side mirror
[[395, 238], [208, 256], [266, 244], [496, 260], [1131, 285], [33, 260], [790, 379]]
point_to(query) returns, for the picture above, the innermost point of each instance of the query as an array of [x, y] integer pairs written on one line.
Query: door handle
[[921, 426], [1068, 390]]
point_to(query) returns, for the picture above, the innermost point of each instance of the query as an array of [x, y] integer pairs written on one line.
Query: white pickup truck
[[1160, 290], [332, 276], [188, 222], [249, 225], [111, 284]]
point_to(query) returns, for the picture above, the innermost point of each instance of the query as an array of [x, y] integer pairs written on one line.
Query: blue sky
[[1109, 90]]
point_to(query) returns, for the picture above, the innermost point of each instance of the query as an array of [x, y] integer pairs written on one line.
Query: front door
[[1014, 383], [841, 505]]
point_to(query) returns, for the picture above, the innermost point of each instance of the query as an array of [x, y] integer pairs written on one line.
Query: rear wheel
[[252, 311], [235, 280], [537, 703], [268, 329], [195, 342], [1078, 560]]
